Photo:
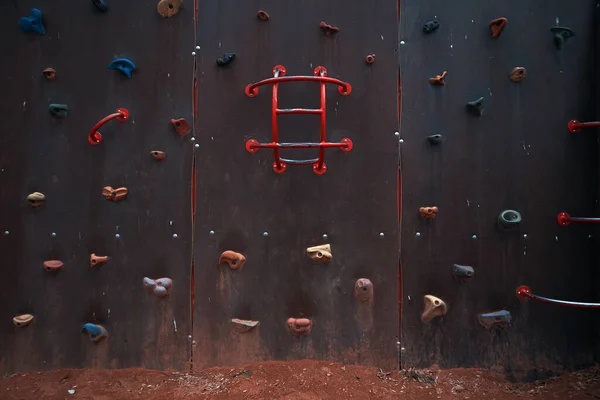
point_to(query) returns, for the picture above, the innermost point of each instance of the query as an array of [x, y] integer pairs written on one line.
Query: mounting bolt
[[265, 234], [174, 236], [6, 232], [189, 337], [418, 234], [211, 232], [193, 139], [397, 133], [193, 53], [524, 236], [474, 236], [196, 145], [53, 234], [324, 236], [117, 235], [401, 140], [197, 47], [381, 234]]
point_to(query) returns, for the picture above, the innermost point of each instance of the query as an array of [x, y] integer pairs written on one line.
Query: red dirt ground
[[292, 380]]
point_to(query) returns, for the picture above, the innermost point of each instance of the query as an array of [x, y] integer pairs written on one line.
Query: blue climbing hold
[[95, 332], [125, 65], [33, 23]]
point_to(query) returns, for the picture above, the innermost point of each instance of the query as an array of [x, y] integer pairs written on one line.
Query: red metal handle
[[95, 137], [564, 219], [524, 293], [576, 126]]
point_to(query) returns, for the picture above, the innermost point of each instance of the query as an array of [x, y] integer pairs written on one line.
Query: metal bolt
[[211, 232], [196, 145], [193, 342], [418, 234], [401, 140], [325, 236], [6, 232], [397, 133], [381, 234], [193, 139], [117, 235], [53, 234], [193, 53], [189, 337], [265, 234], [197, 47], [402, 42], [174, 236], [524, 236], [474, 236]]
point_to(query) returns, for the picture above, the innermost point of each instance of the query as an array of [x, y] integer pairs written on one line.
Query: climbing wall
[[518, 155], [292, 305], [145, 234]]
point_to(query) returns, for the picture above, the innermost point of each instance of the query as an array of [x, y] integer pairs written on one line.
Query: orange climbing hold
[[262, 15], [428, 212], [114, 194], [97, 260], [49, 73], [497, 26], [235, 260], [438, 80], [53, 265], [168, 8]]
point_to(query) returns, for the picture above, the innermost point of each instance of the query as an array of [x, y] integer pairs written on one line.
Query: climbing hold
[[125, 65], [518, 74], [430, 26], [33, 23], [235, 260], [97, 260], [160, 287], [561, 34], [428, 212], [435, 139], [363, 289], [168, 8], [181, 126], [476, 106], [58, 110], [157, 154], [243, 325], [226, 59], [463, 271], [320, 254], [509, 219], [36, 199], [370, 59], [299, 326], [262, 15], [497, 26], [328, 29], [434, 307], [101, 5], [438, 80], [500, 318], [95, 332], [114, 194], [22, 320], [53, 265], [49, 73]]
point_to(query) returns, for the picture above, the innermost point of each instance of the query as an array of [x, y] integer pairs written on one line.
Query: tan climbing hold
[[168, 8], [434, 307], [299, 326], [22, 320], [428, 212], [363, 289], [49, 73], [518, 74], [157, 154], [53, 265], [36, 199], [114, 194], [96, 261], [235, 260], [243, 325], [320, 254]]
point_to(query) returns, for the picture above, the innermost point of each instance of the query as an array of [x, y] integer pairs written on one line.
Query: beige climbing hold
[[22, 320], [168, 8], [36, 199], [434, 307], [114, 194], [235, 260], [157, 154], [97, 260], [518, 74], [320, 254], [53, 265], [243, 325]]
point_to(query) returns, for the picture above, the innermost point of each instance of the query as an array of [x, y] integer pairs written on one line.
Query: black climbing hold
[[435, 139], [430, 26], [561, 34], [476, 106], [509, 219], [463, 271], [101, 5], [33, 23], [226, 59], [58, 110]]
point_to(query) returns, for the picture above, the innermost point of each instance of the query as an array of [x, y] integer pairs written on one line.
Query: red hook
[[524, 293], [95, 137], [575, 126], [564, 219]]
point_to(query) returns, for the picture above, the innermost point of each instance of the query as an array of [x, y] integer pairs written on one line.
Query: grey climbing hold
[[509, 219], [476, 107], [435, 139], [561, 34], [463, 272]]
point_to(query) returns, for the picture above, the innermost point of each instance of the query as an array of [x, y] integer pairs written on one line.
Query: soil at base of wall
[[305, 379]]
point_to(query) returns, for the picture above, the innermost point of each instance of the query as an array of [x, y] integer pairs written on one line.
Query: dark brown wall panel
[[239, 196], [519, 155], [39, 153]]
